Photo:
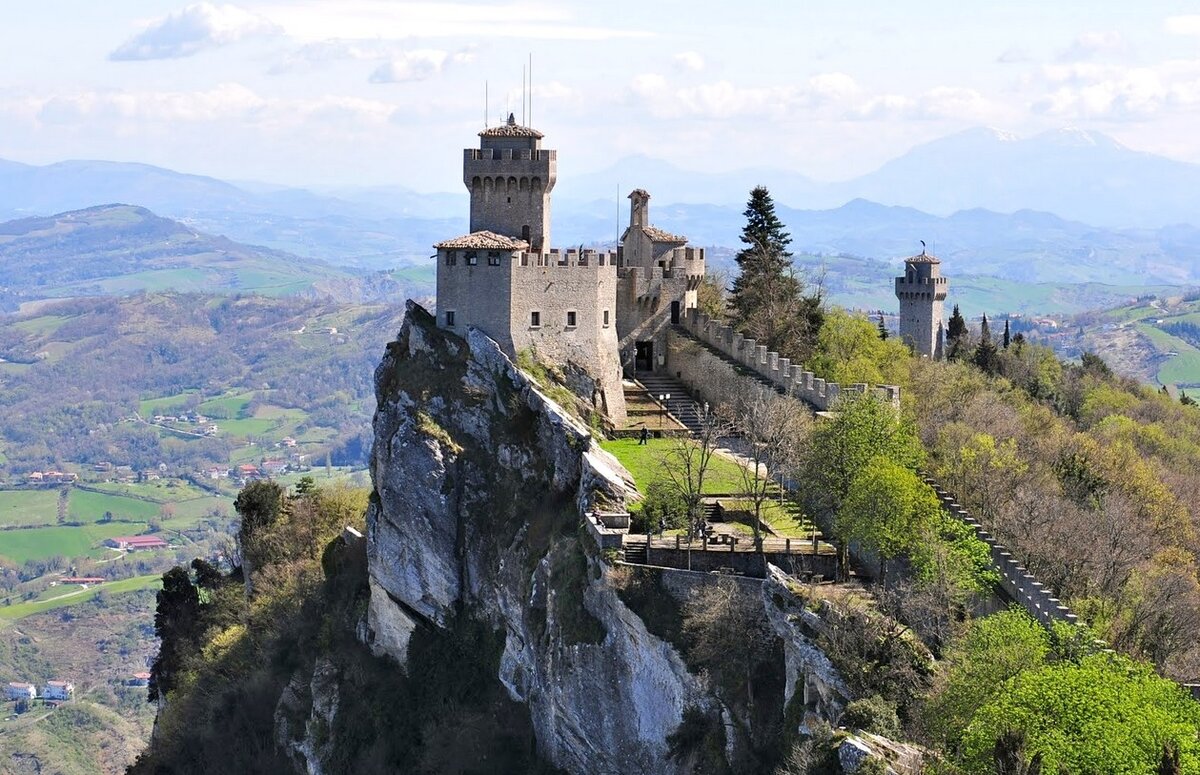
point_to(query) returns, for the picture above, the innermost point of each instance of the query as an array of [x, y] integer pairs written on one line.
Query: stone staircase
[[635, 551], [681, 404]]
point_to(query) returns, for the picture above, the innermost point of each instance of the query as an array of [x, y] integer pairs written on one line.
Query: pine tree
[[986, 356], [1007, 337], [768, 300], [957, 338], [883, 332]]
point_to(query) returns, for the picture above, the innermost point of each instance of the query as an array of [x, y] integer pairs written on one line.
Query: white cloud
[[314, 20], [193, 29], [225, 103], [418, 65], [1095, 45], [1014, 55], [943, 103], [1115, 93], [1183, 25], [724, 100], [690, 60]]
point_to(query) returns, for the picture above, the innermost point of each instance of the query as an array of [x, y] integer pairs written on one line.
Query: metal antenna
[[486, 115], [523, 118], [530, 89]]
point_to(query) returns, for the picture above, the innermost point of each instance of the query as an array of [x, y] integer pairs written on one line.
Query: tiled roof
[[511, 128], [483, 240], [658, 235], [924, 258]]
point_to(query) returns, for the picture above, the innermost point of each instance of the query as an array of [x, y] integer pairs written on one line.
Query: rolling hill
[[119, 249]]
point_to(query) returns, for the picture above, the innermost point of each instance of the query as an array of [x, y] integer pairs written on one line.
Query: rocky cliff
[[475, 526]]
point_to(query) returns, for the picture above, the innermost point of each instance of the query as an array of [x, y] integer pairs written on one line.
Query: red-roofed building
[[58, 690], [82, 580], [20, 691], [136, 543]]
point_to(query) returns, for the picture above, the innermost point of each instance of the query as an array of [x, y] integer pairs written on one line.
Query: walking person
[[644, 437]]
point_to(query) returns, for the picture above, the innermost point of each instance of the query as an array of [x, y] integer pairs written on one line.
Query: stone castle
[[599, 315]]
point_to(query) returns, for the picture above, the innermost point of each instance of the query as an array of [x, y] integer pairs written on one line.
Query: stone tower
[[510, 178], [922, 292]]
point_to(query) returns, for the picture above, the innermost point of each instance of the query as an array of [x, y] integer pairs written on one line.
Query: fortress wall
[[791, 379], [1020, 585], [554, 284]]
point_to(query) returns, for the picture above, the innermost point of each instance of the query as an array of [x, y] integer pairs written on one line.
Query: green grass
[[38, 543], [241, 429], [44, 325], [786, 519], [645, 462], [28, 507], [151, 406], [1181, 369], [67, 598], [86, 506], [230, 405]]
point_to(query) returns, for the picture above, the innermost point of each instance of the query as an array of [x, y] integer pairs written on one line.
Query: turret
[[922, 291], [510, 177]]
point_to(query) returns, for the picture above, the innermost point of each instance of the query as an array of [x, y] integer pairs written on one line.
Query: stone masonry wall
[[1017, 583], [790, 378]]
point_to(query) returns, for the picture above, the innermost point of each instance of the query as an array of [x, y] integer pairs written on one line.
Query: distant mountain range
[[982, 199], [1077, 175]]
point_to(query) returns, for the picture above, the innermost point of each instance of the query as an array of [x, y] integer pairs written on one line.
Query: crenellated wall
[[791, 379], [1018, 583]]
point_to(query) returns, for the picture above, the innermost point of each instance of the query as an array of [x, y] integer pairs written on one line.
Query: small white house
[[58, 691], [19, 691]]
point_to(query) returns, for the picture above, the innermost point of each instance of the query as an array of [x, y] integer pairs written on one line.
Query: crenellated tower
[[922, 292], [510, 177]]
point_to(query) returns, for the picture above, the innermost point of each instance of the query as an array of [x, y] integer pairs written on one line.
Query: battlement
[[790, 379], [1018, 583], [571, 257], [509, 154]]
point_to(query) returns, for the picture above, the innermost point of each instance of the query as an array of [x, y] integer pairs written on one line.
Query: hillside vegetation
[[116, 249], [80, 379]]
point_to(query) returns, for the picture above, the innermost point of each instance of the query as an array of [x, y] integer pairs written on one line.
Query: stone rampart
[[790, 379], [567, 258], [1018, 583]]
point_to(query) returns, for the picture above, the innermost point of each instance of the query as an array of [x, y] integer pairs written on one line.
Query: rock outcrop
[[479, 483]]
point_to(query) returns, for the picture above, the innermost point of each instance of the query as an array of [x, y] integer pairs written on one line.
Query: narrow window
[[493, 258], [451, 258], [535, 319], [450, 318], [606, 318], [472, 258], [570, 318]]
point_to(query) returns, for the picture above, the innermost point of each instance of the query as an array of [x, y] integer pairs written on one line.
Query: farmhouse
[[57, 691], [136, 543], [19, 691]]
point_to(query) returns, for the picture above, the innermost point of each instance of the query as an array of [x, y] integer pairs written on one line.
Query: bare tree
[[686, 463], [773, 430]]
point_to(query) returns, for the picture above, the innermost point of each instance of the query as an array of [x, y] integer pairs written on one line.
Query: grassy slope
[[645, 463], [62, 596]]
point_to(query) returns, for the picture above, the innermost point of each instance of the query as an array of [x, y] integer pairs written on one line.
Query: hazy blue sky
[[373, 91]]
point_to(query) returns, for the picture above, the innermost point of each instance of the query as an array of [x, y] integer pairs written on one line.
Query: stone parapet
[[791, 379], [1018, 583]]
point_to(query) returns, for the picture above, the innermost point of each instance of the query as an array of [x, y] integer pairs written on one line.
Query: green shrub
[[872, 714]]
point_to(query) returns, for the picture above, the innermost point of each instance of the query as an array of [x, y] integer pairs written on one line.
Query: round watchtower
[[922, 292], [510, 177]]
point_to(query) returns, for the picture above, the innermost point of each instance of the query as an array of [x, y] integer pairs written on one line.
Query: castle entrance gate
[[644, 357]]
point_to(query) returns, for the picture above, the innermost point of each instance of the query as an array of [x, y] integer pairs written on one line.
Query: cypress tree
[[883, 332], [986, 357], [1007, 338], [956, 336], [767, 297]]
